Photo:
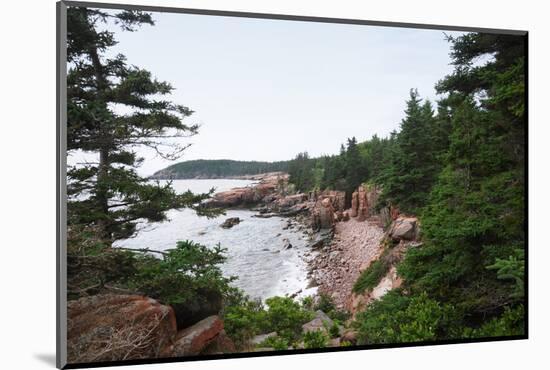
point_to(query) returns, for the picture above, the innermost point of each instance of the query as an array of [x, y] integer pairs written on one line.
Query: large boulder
[[194, 339], [221, 344], [325, 213], [231, 198], [404, 228], [337, 198], [320, 322], [207, 303], [113, 327]]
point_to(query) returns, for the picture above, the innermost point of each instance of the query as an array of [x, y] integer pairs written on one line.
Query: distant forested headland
[[218, 168]]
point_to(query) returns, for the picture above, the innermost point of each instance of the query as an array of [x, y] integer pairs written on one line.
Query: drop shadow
[[46, 358]]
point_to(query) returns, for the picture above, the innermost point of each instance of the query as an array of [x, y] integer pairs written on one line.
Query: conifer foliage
[[474, 220], [113, 108], [414, 164], [462, 171]]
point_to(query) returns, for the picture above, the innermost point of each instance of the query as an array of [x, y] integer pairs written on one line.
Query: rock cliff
[[269, 187], [110, 327]]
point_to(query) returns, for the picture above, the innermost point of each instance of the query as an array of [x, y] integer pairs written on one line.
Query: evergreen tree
[[355, 170], [374, 155], [335, 172], [414, 167], [112, 109], [474, 222], [300, 171]]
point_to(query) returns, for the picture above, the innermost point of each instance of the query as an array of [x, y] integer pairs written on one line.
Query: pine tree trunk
[[103, 170], [101, 196]]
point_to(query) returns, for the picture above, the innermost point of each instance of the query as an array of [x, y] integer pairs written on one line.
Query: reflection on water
[[254, 246]]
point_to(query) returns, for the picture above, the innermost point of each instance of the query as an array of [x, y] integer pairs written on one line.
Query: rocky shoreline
[[342, 242], [336, 268]]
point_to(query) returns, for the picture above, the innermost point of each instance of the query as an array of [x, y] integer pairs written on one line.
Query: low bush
[[181, 274], [315, 339], [277, 343], [286, 317], [511, 322], [283, 315], [242, 321], [397, 318], [334, 330]]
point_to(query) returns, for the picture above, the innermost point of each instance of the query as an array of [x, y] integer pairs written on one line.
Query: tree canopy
[[114, 107], [459, 166]]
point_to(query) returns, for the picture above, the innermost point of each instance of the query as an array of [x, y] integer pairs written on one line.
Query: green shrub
[[324, 303], [315, 339], [334, 330], [512, 268], [285, 316], [278, 343], [396, 318], [307, 302], [181, 274], [511, 322], [243, 320]]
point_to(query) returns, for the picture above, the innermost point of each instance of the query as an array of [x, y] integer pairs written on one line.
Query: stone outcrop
[[323, 214], [112, 327], [404, 228], [269, 185], [221, 344], [320, 322], [328, 208], [363, 202], [194, 339], [337, 198]]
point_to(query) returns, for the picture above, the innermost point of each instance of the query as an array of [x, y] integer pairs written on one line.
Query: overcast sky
[[268, 89]]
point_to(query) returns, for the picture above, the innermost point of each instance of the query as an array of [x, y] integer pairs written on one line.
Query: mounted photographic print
[[235, 184]]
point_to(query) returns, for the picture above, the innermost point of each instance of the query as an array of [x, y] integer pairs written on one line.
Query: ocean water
[[255, 253]]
